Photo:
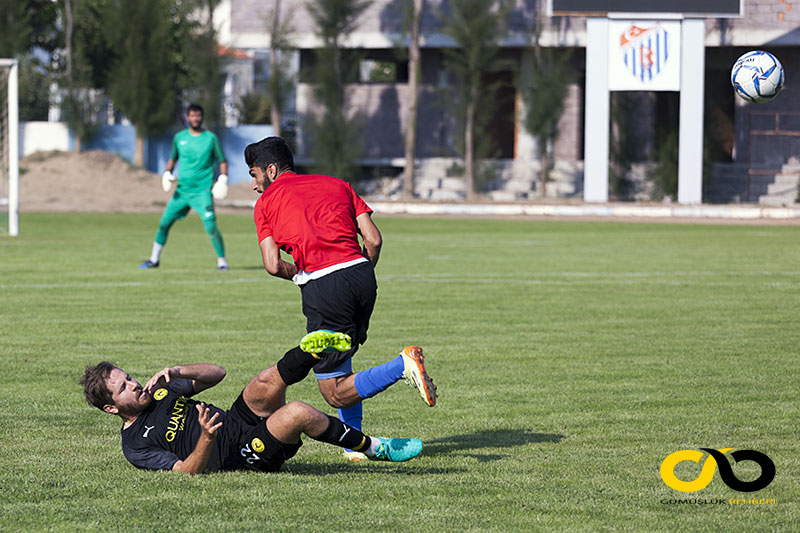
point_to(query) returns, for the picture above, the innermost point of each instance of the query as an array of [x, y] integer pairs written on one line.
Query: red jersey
[[313, 218]]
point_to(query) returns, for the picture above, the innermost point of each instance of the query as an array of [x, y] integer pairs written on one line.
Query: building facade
[[748, 146]]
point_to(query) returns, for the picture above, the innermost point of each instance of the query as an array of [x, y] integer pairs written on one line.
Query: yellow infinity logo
[[716, 458], [706, 474]]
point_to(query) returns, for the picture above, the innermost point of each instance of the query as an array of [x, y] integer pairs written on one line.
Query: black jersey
[[168, 430]]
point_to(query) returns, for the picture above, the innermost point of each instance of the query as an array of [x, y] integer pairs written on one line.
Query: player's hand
[[220, 188], [166, 180], [160, 379], [207, 422]]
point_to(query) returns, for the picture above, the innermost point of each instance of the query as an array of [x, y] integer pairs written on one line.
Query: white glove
[[166, 180], [220, 188]]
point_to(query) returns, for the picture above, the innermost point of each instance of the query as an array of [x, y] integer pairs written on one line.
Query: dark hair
[[94, 384], [195, 107], [272, 150]]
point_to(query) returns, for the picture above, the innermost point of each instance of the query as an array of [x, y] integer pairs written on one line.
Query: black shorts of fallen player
[[247, 445]]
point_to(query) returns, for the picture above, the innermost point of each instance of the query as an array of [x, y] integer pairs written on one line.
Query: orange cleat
[[415, 375]]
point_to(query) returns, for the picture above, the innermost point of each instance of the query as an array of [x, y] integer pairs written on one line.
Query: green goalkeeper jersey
[[197, 156]]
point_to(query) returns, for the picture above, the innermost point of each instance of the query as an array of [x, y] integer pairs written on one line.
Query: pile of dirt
[[98, 181]]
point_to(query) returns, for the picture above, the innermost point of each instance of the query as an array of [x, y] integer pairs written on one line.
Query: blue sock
[[378, 378], [352, 416]]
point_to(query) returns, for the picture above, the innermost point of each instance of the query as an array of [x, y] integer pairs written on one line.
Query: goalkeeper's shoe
[[148, 264], [414, 374], [397, 450], [323, 339]]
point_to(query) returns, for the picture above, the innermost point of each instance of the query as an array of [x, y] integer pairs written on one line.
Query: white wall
[[42, 136]]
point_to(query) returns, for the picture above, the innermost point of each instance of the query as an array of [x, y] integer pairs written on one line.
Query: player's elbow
[[181, 466], [271, 263], [373, 241], [272, 267]]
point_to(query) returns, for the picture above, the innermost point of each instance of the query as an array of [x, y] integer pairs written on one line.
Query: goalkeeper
[[198, 151]]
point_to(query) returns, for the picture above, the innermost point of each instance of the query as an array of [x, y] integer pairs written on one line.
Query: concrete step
[[445, 196], [782, 188], [776, 200], [786, 180], [454, 184], [515, 185], [505, 196]]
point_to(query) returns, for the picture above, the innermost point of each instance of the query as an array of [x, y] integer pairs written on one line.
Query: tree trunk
[[545, 170], [68, 70], [469, 152], [68, 40], [414, 68], [275, 117], [274, 110], [138, 153]]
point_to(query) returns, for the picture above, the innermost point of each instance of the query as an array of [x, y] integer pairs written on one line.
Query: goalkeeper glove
[[220, 188], [166, 180]]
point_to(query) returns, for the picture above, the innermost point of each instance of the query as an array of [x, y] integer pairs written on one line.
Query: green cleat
[[322, 339], [397, 450]]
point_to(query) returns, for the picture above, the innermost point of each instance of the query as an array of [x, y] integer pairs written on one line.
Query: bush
[[254, 108]]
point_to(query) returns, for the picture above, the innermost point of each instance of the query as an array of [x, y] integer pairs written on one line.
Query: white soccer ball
[[757, 76]]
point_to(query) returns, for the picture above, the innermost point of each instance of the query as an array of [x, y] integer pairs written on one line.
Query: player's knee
[[211, 227], [264, 376], [269, 377], [299, 410], [335, 399]]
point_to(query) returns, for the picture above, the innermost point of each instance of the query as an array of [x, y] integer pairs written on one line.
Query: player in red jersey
[[318, 219]]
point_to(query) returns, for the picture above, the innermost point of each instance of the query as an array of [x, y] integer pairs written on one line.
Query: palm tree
[[414, 71], [474, 26]]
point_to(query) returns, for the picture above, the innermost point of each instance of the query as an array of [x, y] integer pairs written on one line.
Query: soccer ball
[[757, 76]]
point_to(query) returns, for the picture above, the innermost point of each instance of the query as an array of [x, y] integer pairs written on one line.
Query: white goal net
[[9, 148]]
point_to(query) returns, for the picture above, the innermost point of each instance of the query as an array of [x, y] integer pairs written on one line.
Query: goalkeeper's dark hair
[[195, 107], [94, 384], [272, 150]]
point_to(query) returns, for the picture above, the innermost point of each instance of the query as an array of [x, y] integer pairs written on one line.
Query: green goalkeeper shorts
[[180, 203]]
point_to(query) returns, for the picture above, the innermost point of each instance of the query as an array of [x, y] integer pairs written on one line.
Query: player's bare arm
[[203, 376], [223, 168], [197, 461], [372, 237], [271, 256]]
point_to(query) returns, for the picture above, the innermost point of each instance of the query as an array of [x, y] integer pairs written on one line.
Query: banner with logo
[[644, 55]]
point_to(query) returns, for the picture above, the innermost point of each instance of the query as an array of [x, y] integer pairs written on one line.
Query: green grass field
[[571, 359]]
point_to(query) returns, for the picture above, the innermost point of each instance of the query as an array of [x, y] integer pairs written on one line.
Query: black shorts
[[341, 301], [247, 445]]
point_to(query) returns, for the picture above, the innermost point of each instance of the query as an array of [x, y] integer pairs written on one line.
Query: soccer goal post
[[9, 147]]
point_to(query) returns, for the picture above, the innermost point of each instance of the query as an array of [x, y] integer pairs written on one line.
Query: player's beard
[[135, 408]]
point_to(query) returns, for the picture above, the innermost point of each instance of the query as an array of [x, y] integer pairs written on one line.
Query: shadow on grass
[[254, 267], [497, 439], [370, 467]]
